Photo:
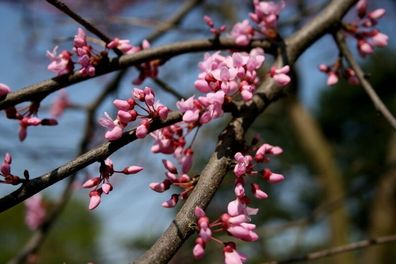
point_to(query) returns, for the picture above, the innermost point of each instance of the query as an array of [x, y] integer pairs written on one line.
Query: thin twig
[[65, 9], [339, 250], [167, 88], [39, 91], [379, 105], [41, 234]]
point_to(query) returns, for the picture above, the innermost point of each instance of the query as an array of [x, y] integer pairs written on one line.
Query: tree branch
[[379, 105], [88, 26], [232, 136], [338, 250], [38, 237], [39, 91], [99, 153]]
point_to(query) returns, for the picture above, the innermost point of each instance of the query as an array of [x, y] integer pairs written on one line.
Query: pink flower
[[266, 16], [87, 66], [171, 202], [272, 177], [266, 149], [361, 7], [123, 45], [199, 249], [94, 199], [90, 183], [35, 212], [364, 47], [115, 129], [242, 32], [257, 192], [280, 75], [142, 129], [61, 103], [231, 256], [5, 167], [4, 90], [244, 164], [332, 75], [132, 169], [379, 39], [60, 64], [80, 39], [351, 76], [190, 109]]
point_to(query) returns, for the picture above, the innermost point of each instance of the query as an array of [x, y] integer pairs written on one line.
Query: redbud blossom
[[94, 199], [242, 32], [132, 169], [60, 64], [231, 256], [4, 90], [35, 212], [280, 75]]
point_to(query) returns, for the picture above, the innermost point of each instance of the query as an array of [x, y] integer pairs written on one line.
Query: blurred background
[[339, 158]]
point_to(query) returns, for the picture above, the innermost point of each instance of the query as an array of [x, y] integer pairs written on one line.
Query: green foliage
[[73, 238]]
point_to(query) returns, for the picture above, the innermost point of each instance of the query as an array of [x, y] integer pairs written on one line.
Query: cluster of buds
[[280, 75], [363, 30], [236, 222], [127, 113], [173, 177], [63, 64], [101, 184], [230, 74], [265, 16], [5, 171], [28, 117], [335, 71], [215, 31]]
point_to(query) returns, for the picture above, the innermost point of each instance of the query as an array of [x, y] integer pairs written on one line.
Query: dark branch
[[39, 91]]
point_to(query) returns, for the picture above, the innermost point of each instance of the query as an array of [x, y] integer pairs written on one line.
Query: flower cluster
[[127, 113], [173, 177], [63, 64], [237, 221], [5, 171], [363, 30], [101, 184], [35, 212], [215, 31], [222, 76], [28, 117], [265, 16], [335, 71], [367, 38]]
